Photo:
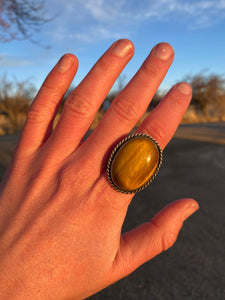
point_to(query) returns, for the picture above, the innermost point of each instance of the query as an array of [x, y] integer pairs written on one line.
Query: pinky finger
[[41, 115]]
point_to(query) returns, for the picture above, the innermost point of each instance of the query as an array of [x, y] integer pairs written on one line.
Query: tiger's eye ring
[[134, 163]]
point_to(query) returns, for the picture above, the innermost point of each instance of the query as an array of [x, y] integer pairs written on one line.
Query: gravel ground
[[193, 269]]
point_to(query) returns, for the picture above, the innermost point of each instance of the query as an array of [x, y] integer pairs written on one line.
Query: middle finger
[[133, 101]]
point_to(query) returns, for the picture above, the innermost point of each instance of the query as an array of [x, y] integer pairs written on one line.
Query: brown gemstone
[[135, 163]]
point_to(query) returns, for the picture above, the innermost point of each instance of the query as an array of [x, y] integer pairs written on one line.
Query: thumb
[[151, 238]]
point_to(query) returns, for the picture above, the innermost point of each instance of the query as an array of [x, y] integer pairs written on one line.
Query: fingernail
[[190, 210], [122, 48], [65, 63], [184, 88], [163, 51]]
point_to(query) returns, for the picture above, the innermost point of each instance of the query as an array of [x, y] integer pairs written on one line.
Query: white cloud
[[199, 14], [107, 19], [108, 10], [96, 33], [8, 61]]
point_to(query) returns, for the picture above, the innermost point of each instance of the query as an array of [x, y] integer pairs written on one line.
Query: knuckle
[[165, 238], [150, 71], [38, 113], [156, 131], [66, 178], [127, 112], [102, 66], [71, 176], [168, 239], [48, 89], [105, 66], [80, 106]]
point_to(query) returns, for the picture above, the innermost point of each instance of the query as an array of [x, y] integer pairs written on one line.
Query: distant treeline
[[208, 101], [208, 93]]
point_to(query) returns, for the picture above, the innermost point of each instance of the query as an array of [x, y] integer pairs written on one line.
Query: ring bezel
[[116, 149]]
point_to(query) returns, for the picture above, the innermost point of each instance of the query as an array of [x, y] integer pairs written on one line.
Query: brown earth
[[193, 269]]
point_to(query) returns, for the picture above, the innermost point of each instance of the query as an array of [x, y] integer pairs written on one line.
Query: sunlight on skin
[[60, 219]]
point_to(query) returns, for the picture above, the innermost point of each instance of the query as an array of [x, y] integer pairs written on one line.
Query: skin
[[60, 219]]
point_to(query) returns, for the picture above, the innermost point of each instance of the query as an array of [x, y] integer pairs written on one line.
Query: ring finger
[[132, 102]]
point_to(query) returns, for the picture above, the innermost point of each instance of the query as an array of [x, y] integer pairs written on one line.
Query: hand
[[60, 219]]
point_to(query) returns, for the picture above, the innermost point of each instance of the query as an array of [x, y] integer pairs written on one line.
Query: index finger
[[83, 103]]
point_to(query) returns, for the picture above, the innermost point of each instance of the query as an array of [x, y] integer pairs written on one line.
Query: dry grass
[[15, 99], [208, 103]]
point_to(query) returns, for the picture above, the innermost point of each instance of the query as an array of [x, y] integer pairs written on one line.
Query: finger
[[162, 123], [44, 108], [150, 239], [81, 107], [133, 101]]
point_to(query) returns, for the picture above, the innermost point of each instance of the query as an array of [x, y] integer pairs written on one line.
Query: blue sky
[[195, 29]]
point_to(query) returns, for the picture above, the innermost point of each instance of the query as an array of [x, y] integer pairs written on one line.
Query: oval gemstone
[[134, 163]]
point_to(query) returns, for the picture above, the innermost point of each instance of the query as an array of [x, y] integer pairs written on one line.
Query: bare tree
[[19, 19], [208, 92], [15, 99]]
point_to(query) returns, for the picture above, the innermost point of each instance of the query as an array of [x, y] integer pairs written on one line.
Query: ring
[[134, 163]]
